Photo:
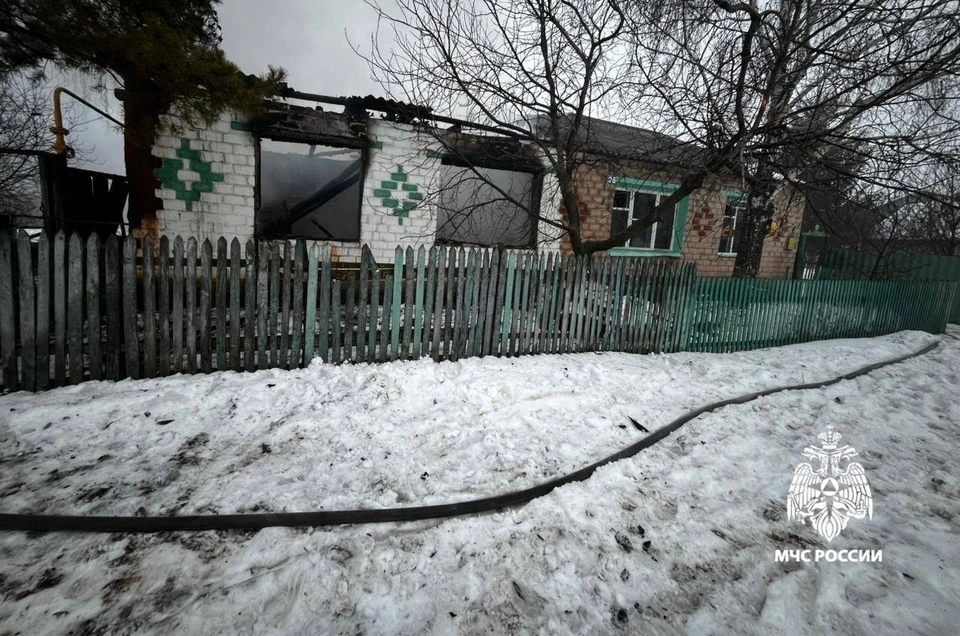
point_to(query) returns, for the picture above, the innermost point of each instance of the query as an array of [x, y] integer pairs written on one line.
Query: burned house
[[347, 179], [340, 176]]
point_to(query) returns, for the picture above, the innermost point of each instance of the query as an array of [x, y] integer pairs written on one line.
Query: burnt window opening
[[309, 191], [488, 205]]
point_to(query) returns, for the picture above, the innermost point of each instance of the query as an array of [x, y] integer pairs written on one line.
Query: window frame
[[658, 196], [732, 200], [345, 143], [680, 212], [489, 163]]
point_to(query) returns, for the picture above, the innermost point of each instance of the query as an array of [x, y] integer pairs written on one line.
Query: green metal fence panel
[[742, 314], [900, 266]]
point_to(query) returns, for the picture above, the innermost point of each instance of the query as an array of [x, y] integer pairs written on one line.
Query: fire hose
[[256, 521]]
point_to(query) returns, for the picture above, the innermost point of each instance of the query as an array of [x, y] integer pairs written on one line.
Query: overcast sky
[[309, 38]]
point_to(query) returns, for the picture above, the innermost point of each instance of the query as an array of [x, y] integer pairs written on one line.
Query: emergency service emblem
[[830, 489]]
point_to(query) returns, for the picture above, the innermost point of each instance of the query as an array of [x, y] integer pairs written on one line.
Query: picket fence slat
[[285, 297], [310, 327], [435, 349], [262, 304], [479, 311], [59, 275], [637, 313], [362, 318], [92, 288], [450, 303], [457, 307], [75, 288], [371, 355], [475, 315], [296, 339], [163, 291], [190, 289], [349, 319], [203, 321], [396, 318], [418, 312], [496, 328], [43, 313], [535, 302], [176, 311], [131, 347], [149, 312], [221, 304], [523, 308], [387, 318], [410, 275], [273, 343], [249, 307], [234, 310], [8, 339], [335, 322], [325, 293], [28, 333], [429, 303]]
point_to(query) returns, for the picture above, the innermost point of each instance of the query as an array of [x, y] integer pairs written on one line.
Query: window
[[629, 206], [731, 226], [309, 191], [478, 206]]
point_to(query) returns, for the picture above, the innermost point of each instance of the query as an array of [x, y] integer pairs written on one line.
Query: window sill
[[641, 252], [727, 254]]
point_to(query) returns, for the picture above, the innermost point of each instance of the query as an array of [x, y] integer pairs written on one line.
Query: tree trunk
[[572, 206], [141, 117], [750, 249], [757, 220]]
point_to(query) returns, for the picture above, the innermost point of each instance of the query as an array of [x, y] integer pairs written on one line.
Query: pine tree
[[165, 54]]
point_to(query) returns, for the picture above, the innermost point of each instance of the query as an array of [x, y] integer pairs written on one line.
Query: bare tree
[[902, 197], [534, 70], [792, 82], [24, 110], [765, 90], [927, 216]]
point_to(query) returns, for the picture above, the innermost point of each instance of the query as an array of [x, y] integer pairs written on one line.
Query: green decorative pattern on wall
[[399, 195], [187, 159]]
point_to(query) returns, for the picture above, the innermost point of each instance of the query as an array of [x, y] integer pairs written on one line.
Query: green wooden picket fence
[[75, 309]]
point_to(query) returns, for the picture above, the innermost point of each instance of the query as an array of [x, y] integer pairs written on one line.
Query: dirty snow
[[679, 539]]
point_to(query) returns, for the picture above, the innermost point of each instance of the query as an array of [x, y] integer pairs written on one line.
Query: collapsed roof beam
[[340, 183], [402, 109]]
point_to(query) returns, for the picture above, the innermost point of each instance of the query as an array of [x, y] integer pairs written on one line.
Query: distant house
[[345, 179]]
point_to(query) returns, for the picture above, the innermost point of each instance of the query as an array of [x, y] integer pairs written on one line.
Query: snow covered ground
[[680, 538]]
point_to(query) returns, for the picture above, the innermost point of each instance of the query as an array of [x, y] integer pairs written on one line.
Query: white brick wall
[[228, 208]]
